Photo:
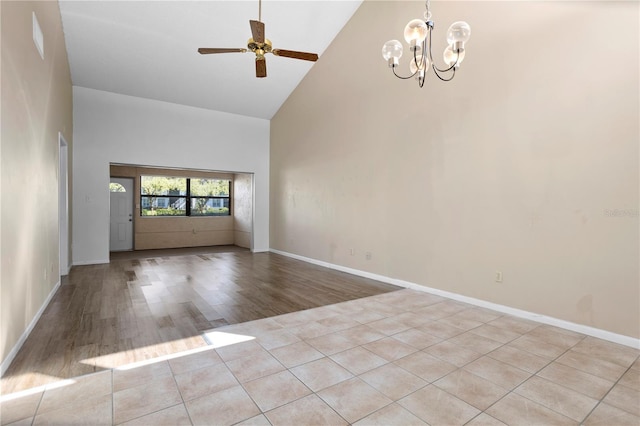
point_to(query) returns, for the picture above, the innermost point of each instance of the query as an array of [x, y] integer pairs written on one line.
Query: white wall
[[113, 128]]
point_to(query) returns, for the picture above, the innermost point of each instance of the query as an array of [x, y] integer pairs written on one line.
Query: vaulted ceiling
[[149, 49]]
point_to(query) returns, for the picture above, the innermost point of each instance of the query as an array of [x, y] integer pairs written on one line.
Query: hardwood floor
[[148, 304]]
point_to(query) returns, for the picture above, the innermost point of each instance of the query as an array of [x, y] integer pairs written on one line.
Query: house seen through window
[[176, 196]]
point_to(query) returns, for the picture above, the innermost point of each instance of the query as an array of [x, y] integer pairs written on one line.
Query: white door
[[121, 211], [63, 207]]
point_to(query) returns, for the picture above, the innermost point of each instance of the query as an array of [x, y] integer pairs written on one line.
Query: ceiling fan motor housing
[[259, 48]]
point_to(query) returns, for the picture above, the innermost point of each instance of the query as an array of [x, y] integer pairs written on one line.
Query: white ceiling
[[149, 49]]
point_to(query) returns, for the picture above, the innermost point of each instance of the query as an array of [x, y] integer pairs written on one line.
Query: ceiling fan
[[260, 45]]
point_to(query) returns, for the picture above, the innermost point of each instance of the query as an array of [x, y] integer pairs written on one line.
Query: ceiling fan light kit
[[417, 34], [259, 45]]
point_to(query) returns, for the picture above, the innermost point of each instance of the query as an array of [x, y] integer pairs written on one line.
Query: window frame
[[187, 197]]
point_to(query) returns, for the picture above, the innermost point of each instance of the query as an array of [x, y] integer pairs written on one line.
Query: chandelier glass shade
[[418, 35]]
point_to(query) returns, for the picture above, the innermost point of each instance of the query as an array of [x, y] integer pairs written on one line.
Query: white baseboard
[[9, 359], [89, 262], [568, 325]]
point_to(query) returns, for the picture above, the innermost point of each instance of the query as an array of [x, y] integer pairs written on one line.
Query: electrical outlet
[[498, 276], [352, 252], [367, 255]]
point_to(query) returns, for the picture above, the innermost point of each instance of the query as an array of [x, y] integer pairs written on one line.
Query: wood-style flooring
[[147, 304]]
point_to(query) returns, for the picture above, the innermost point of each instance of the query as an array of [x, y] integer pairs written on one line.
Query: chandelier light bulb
[[459, 32], [415, 32], [450, 56], [391, 52], [422, 65]]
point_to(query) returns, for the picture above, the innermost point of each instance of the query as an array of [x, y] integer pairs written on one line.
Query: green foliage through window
[[173, 196]]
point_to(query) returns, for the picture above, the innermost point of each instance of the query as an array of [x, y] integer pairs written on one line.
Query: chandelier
[[417, 33]]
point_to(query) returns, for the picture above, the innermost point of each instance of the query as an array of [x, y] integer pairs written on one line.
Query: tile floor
[[400, 358]]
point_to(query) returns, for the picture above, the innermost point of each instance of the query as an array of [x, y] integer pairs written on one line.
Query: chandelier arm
[[435, 71], [433, 64], [401, 77]]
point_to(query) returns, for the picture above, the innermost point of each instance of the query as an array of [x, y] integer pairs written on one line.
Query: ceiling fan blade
[[257, 30], [261, 68], [296, 55], [208, 50]]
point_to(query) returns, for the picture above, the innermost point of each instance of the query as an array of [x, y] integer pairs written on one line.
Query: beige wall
[[36, 105], [174, 232], [518, 165], [242, 209]]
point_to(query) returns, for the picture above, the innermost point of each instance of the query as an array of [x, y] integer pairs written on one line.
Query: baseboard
[[9, 359], [567, 325], [89, 262]]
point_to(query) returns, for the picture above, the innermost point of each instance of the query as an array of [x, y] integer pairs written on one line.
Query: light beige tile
[[624, 398], [86, 411], [631, 379], [483, 419], [353, 399], [433, 312], [425, 366], [276, 339], [437, 407], [296, 354], [391, 415], [332, 343], [606, 415], [475, 342], [497, 372], [607, 351], [309, 330], [556, 336], [226, 407], [321, 373], [393, 381], [461, 323], [195, 361], [560, 399], [338, 322], [145, 399], [517, 325], [390, 348], [309, 410], [24, 422], [471, 389], [416, 338], [452, 353], [196, 383], [276, 390], [55, 396], [254, 366], [388, 326], [520, 359], [479, 314], [358, 360], [496, 333], [579, 381], [514, 409], [19, 408], [412, 319], [172, 416], [259, 420], [440, 329], [598, 367], [365, 316], [124, 378], [361, 335], [239, 350], [537, 346]]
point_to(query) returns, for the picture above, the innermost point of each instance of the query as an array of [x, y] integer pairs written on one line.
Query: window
[[173, 196], [116, 187]]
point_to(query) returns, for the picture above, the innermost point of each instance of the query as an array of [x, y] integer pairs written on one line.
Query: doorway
[[63, 205], [121, 214]]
